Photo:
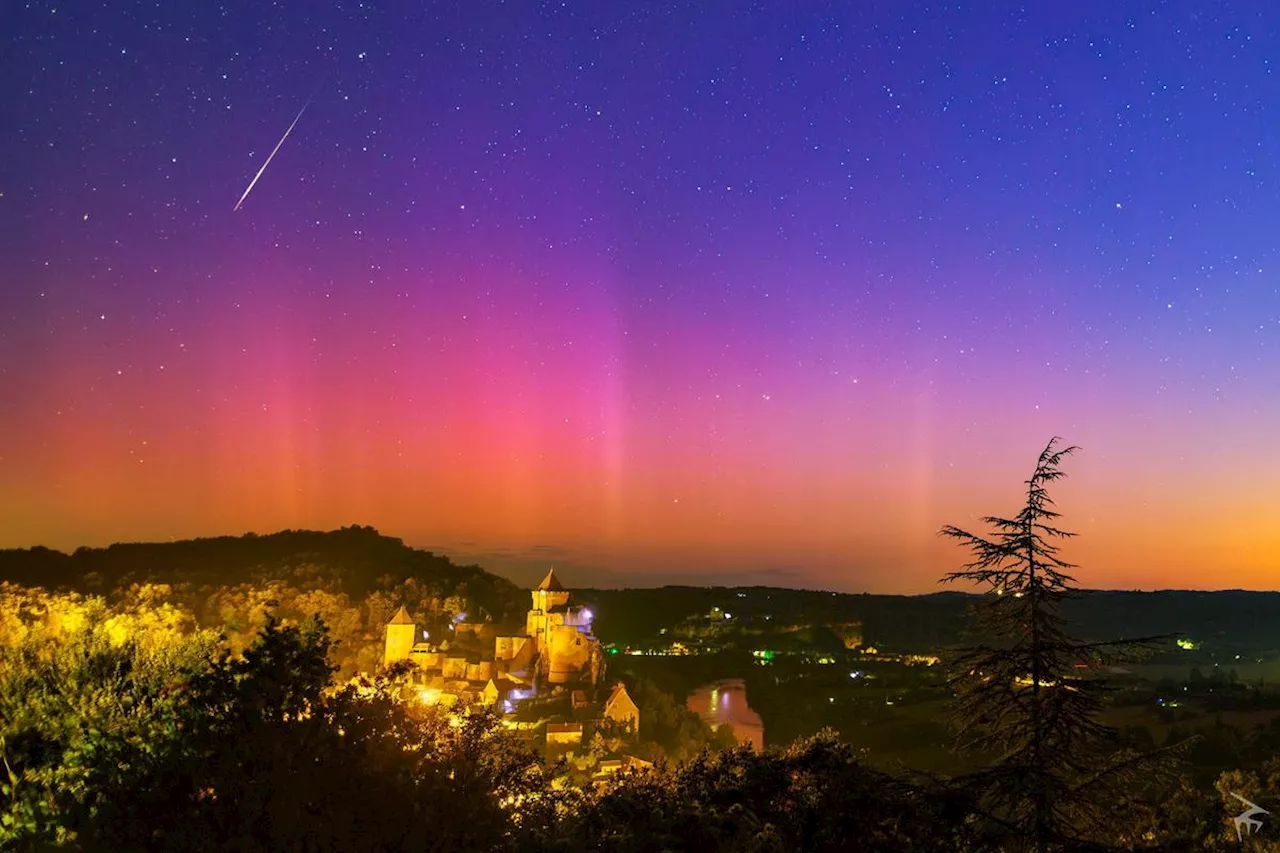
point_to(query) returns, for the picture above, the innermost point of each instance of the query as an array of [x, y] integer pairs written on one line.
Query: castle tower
[[401, 633], [548, 595], [561, 634]]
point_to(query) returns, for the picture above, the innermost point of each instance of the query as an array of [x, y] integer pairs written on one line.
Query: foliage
[[1057, 776], [86, 695], [669, 729], [813, 797], [1193, 818]]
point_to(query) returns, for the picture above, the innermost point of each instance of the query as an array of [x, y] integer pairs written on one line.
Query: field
[[1247, 671]]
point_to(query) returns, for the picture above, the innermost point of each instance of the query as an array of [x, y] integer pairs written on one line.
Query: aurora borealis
[[758, 292]]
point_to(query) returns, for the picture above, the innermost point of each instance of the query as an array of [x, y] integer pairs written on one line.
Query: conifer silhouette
[[1029, 696]]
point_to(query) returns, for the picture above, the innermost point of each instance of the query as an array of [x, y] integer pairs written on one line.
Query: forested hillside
[[1231, 620], [353, 578]]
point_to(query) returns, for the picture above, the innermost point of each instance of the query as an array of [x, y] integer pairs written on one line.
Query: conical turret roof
[[402, 617], [551, 583]]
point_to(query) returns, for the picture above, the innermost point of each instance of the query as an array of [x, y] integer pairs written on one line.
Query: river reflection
[[724, 702]]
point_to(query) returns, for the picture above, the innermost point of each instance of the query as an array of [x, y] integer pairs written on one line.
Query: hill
[[353, 560], [1229, 621]]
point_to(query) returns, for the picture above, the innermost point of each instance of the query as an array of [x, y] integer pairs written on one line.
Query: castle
[[556, 649], [561, 634]]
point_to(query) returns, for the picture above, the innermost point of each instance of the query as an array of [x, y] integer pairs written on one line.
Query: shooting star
[[269, 156]]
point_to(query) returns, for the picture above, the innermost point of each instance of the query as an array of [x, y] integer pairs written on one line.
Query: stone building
[[556, 649], [561, 633], [621, 709], [401, 636]]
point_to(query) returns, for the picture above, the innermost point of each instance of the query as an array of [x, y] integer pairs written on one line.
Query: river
[[724, 702]]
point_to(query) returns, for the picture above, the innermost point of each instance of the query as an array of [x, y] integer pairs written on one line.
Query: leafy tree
[[667, 728], [273, 757], [723, 738], [87, 696], [1057, 776], [815, 797]]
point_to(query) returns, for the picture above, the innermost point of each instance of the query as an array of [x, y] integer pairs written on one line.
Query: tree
[[1023, 692], [279, 759], [815, 796], [667, 728], [87, 697]]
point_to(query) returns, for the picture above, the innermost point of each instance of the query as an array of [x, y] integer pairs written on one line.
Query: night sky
[[653, 292]]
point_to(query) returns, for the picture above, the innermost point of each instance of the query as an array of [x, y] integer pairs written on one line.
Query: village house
[[619, 708], [563, 738]]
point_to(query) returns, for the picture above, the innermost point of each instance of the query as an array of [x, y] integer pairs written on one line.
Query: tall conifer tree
[[1027, 695]]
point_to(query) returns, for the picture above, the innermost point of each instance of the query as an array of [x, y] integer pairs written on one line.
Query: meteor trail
[[269, 156]]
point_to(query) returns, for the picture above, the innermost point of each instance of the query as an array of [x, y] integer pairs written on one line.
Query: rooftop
[[551, 583], [564, 727]]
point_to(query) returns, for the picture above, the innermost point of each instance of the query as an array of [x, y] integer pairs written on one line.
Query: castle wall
[[545, 599], [521, 660], [534, 624], [480, 671], [455, 668], [427, 659], [507, 648], [479, 630], [568, 651]]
